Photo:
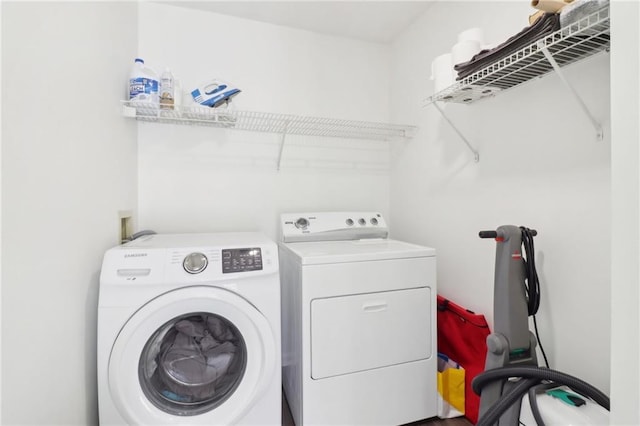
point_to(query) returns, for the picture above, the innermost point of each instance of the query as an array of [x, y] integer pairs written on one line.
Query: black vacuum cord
[[532, 283]]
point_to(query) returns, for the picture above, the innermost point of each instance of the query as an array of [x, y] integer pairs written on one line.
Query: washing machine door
[[196, 355]]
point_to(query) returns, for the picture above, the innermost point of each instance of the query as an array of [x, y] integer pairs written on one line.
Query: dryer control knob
[[195, 263], [302, 223]]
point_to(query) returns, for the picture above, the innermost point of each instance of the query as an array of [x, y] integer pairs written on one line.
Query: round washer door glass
[[192, 364], [201, 355]]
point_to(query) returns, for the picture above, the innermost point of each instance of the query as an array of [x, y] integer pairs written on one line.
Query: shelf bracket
[[476, 156], [556, 67], [282, 138]]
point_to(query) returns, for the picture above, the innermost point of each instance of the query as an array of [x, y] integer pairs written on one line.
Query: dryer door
[[196, 355]]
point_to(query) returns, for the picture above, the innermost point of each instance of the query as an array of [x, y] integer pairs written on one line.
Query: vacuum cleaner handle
[[488, 234], [494, 234]]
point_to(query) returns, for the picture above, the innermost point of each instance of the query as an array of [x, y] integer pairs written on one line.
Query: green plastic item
[[567, 397]]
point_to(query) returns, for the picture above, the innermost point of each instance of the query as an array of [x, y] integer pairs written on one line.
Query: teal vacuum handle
[[567, 397]]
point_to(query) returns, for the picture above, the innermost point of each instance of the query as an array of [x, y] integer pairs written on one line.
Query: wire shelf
[[285, 124], [570, 44]]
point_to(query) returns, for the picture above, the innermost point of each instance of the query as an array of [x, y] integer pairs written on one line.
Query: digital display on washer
[[241, 260]]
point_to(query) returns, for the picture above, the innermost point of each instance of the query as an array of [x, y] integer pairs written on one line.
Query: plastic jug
[[143, 83]]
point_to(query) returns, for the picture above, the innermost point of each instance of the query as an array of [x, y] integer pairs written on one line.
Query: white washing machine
[[359, 322], [189, 331]]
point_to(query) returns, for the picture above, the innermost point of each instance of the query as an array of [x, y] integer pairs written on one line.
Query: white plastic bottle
[[167, 90], [143, 83], [177, 95]]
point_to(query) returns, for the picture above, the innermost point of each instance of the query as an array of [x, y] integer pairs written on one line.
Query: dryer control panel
[[332, 226]]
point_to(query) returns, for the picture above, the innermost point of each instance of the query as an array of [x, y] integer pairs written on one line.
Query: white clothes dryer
[[358, 322], [189, 331]]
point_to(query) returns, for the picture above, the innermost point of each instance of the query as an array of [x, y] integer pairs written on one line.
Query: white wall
[[204, 179], [68, 167], [540, 166], [0, 219], [625, 176]]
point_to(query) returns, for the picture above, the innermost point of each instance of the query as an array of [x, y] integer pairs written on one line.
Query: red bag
[[462, 335]]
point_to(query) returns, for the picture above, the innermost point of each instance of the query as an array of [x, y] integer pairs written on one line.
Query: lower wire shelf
[[285, 124]]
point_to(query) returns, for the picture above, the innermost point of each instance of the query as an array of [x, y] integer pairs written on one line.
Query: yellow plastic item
[[451, 391]]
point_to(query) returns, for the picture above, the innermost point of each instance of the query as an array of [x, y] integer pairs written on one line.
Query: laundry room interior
[[76, 169]]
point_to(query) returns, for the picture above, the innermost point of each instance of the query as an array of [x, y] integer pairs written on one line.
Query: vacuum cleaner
[[514, 390]]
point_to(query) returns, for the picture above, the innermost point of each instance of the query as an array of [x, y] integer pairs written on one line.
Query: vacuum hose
[[494, 412], [533, 401], [534, 375]]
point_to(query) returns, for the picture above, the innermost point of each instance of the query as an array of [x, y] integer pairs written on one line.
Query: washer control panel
[[332, 226], [241, 260], [191, 259]]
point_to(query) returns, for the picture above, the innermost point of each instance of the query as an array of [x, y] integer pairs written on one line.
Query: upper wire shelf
[[284, 124], [577, 41]]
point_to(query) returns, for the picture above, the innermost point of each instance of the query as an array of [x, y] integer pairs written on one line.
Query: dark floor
[[287, 420]]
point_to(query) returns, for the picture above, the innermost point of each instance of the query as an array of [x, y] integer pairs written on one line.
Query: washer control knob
[[374, 221], [195, 263], [362, 222], [302, 223], [349, 222]]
